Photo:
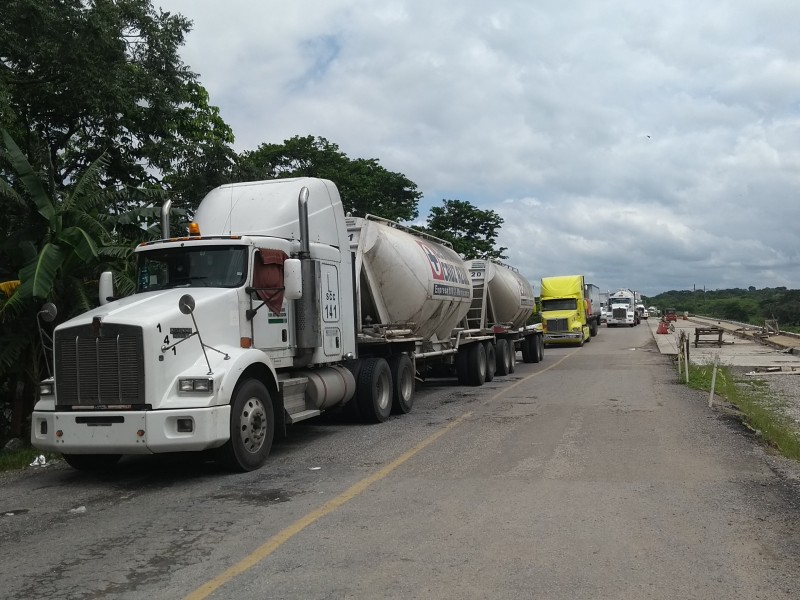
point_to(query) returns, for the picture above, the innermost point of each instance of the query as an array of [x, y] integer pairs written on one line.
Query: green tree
[[733, 310], [364, 185], [80, 79], [472, 231]]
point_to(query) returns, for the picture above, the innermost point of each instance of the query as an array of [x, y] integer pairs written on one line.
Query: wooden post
[[713, 381]]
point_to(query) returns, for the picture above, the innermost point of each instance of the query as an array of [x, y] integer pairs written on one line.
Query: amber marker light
[[246, 342], [59, 433], [140, 433], [194, 229]]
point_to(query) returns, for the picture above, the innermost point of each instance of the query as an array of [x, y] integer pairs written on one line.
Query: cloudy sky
[[649, 145]]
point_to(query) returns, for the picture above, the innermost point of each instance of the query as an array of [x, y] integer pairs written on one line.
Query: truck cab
[[565, 310], [233, 332]]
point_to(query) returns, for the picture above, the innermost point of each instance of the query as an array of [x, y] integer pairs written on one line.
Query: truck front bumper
[[131, 432], [563, 338]]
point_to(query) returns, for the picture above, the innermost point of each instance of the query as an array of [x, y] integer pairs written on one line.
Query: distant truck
[[622, 309], [274, 309], [568, 315]]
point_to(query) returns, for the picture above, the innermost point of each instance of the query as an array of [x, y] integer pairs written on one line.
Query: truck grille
[[104, 369], [557, 326], [620, 313]]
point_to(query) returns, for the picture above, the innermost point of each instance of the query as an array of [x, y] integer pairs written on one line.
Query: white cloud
[[651, 146]]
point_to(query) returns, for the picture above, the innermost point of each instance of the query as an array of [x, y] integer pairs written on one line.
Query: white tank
[[407, 279], [511, 296]]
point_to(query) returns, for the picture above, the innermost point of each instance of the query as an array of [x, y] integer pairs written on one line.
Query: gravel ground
[[784, 394], [786, 391]]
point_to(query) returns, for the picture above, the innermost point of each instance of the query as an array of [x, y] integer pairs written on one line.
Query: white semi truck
[[273, 310], [622, 309]]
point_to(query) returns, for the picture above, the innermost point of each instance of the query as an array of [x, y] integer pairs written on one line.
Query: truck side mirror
[[106, 287], [292, 279]]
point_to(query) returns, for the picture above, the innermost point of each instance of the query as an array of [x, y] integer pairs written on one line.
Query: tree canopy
[[472, 231], [743, 305], [364, 185], [79, 79]]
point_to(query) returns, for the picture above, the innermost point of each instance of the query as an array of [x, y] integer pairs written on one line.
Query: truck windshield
[[203, 266], [559, 304], [625, 301]]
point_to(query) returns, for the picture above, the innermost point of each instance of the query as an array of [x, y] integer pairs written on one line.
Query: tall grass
[[760, 411]]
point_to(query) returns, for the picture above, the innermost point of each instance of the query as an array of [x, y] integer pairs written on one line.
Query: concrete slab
[[736, 351]]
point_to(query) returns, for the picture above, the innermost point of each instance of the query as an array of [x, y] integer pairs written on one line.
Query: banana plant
[[63, 232]]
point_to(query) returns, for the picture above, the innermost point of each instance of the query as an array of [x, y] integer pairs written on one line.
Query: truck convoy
[[570, 310], [622, 309], [274, 309]]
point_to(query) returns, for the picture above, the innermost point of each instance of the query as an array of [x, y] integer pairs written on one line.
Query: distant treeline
[[746, 306]]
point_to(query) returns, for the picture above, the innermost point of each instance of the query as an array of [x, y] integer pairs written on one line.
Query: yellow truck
[[569, 314]]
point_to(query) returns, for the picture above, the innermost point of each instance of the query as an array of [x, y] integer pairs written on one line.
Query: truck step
[[302, 416]]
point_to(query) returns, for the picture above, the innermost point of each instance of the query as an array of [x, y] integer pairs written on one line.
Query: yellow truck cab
[[566, 313]]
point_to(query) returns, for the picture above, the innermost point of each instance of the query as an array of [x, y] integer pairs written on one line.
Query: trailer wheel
[[252, 427], [403, 375], [462, 365], [92, 462], [374, 390], [530, 349], [540, 348], [476, 359], [593, 328], [491, 364], [503, 357], [512, 356]]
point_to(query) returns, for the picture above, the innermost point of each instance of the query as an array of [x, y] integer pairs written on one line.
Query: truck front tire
[[252, 427]]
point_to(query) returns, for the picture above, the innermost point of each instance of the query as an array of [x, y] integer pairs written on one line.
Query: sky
[[647, 145]]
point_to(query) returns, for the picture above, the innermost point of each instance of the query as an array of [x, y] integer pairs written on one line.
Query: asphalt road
[[591, 475]]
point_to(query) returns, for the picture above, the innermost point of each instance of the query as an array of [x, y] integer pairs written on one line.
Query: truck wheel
[[512, 356], [252, 427], [593, 328], [476, 359], [491, 365], [374, 390], [540, 344], [527, 350], [403, 376], [92, 462], [531, 349], [503, 358]]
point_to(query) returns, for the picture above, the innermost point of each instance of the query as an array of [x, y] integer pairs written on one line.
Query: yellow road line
[[285, 535]]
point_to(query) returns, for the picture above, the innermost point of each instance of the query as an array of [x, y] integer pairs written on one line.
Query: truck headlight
[[201, 384], [47, 388]]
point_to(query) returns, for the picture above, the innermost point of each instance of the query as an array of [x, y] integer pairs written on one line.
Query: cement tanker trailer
[[502, 302], [414, 292]]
